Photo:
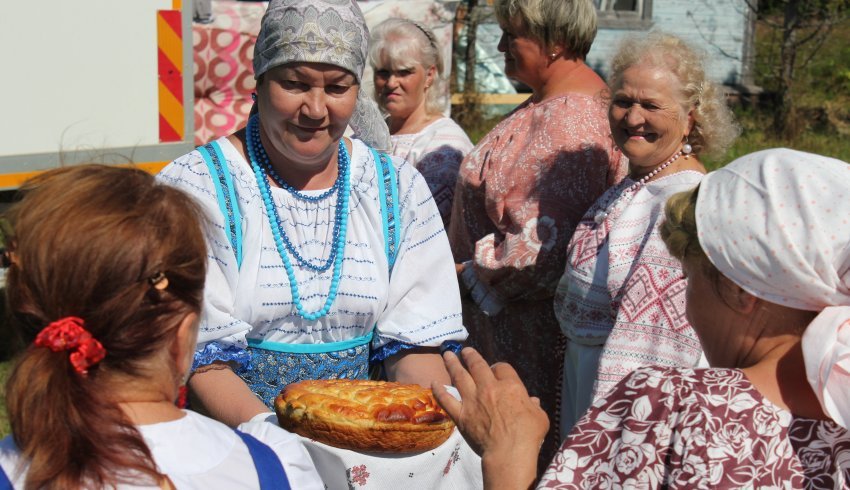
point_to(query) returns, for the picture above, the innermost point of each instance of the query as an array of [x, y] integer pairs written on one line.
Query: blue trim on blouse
[[216, 351], [226, 195], [389, 349], [388, 197], [394, 347], [394, 218], [311, 348]]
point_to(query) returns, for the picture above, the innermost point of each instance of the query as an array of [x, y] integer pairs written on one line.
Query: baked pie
[[364, 415]]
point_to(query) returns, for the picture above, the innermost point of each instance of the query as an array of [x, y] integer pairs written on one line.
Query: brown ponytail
[[86, 239]]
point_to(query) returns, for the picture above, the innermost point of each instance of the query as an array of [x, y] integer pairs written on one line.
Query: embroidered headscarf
[[777, 223], [322, 31]]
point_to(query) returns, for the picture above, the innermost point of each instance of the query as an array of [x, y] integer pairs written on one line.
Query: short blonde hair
[[401, 41], [567, 23], [714, 124]]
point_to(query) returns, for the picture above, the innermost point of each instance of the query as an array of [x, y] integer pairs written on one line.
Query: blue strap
[[5, 483], [226, 194], [388, 195], [311, 348], [269, 468]]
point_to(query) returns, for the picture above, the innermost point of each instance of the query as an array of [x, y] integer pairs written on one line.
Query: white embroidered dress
[[436, 151], [621, 301], [418, 306]]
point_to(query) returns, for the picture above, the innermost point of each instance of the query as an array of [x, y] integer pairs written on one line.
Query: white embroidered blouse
[[418, 306], [436, 151]]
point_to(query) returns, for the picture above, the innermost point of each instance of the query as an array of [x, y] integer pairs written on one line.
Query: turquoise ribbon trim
[[311, 348], [396, 219], [226, 195], [382, 197], [388, 197]]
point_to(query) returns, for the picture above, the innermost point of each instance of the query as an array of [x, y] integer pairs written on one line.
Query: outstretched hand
[[496, 416]]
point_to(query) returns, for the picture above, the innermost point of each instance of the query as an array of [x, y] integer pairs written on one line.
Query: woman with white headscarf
[[324, 255], [764, 243]]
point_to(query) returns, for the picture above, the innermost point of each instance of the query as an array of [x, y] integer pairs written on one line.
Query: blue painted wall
[[717, 26]]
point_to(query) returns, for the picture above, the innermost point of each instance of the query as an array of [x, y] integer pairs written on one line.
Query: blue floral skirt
[[271, 371]]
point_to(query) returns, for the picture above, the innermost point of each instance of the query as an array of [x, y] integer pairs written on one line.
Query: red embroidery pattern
[[454, 458], [358, 475]]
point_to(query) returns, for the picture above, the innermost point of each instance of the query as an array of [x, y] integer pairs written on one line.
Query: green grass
[[754, 137], [5, 430]]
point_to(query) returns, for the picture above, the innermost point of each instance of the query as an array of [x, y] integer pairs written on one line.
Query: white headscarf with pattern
[[777, 223]]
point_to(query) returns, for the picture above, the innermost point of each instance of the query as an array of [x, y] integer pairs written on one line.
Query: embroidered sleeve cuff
[[389, 349], [214, 351], [394, 347]]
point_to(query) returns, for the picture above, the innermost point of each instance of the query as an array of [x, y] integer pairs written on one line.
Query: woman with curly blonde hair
[[620, 302]]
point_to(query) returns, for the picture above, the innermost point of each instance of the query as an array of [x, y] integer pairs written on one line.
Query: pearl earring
[[687, 149]]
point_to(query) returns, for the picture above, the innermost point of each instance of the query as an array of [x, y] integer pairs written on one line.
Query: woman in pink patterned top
[[621, 300], [523, 189], [410, 88], [764, 246]]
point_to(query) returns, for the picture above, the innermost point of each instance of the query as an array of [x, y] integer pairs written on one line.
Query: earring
[[254, 96], [687, 149], [182, 397], [183, 393]]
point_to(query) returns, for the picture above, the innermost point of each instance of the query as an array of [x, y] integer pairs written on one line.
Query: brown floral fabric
[[697, 428]]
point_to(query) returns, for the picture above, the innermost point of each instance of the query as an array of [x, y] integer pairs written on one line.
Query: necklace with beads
[[261, 166], [257, 153], [603, 213]]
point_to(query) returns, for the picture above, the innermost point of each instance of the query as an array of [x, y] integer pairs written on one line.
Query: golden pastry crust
[[364, 415]]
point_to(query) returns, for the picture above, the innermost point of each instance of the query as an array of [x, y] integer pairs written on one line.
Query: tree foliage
[[801, 27]]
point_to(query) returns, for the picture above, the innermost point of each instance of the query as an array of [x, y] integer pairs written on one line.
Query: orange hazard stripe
[[12, 180], [169, 33]]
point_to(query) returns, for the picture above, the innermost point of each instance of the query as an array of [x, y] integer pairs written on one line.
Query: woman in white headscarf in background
[[764, 242], [324, 255]]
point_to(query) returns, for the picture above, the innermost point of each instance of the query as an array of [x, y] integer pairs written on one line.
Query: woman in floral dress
[[523, 189], [764, 246]]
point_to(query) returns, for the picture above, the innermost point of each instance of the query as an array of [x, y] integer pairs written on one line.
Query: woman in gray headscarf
[[324, 255]]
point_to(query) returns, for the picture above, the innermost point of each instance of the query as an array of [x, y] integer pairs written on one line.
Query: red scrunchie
[[68, 334]]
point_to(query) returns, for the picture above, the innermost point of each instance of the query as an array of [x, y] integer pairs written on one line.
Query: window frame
[[625, 19]]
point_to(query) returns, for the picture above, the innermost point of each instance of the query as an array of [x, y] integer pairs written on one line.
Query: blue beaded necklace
[[263, 160], [257, 154], [282, 242]]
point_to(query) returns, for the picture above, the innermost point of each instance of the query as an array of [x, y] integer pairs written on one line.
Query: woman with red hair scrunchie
[[105, 282]]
